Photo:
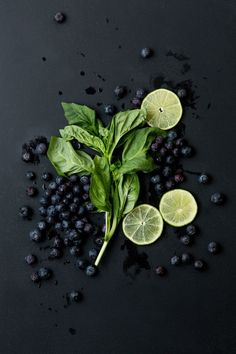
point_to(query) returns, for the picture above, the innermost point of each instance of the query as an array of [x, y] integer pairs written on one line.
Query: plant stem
[[100, 254]]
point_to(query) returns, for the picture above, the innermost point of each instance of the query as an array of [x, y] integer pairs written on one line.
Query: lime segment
[[143, 225], [178, 207], [163, 109]]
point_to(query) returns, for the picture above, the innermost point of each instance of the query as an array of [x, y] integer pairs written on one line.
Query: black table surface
[[125, 311]]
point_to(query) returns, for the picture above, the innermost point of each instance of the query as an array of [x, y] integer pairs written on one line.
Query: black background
[[186, 312]]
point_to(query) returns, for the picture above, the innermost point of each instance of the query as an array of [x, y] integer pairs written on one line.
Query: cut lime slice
[[143, 225], [163, 109], [178, 207]]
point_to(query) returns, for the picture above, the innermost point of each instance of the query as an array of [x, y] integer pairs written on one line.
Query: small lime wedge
[[143, 225], [163, 109], [178, 207]]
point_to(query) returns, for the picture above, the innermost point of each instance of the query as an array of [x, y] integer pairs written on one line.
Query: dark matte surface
[[186, 312]]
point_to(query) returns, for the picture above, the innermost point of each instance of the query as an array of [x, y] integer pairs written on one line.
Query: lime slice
[[143, 225], [163, 109], [178, 207]]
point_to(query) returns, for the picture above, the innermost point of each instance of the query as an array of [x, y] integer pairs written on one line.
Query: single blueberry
[[217, 198], [31, 191], [120, 91], [214, 247], [75, 296], [160, 270], [91, 270], [42, 225], [44, 273], [36, 235], [31, 259], [41, 149], [109, 109], [175, 260], [140, 93], [146, 52], [30, 175]]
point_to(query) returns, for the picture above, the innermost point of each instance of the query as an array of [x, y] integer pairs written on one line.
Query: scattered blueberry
[[214, 247], [109, 109], [217, 198], [179, 178], [52, 186], [181, 93], [75, 296], [31, 191], [41, 149], [55, 253], [203, 178], [36, 235], [186, 240], [81, 264], [46, 176], [59, 180], [187, 151], [75, 251], [42, 225], [120, 91], [175, 260], [160, 270], [84, 179], [91, 270], [191, 230], [186, 258], [167, 171], [57, 243], [27, 157], [136, 102], [155, 179], [30, 175], [44, 273], [35, 277], [93, 254], [25, 212], [159, 187], [146, 52], [172, 135], [98, 241], [140, 93], [59, 17], [42, 211], [199, 264], [31, 259]]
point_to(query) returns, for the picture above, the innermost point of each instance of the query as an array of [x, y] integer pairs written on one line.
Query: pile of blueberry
[[167, 152]]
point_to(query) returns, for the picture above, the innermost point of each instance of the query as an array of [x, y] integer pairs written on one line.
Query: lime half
[[163, 109], [178, 207], [143, 225]]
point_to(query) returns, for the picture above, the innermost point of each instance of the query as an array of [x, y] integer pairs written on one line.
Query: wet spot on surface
[[100, 89], [209, 105], [72, 331], [177, 56], [99, 104], [134, 262], [90, 90], [44, 58], [185, 68], [119, 46], [60, 93], [82, 55], [82, 73], [107, 20]]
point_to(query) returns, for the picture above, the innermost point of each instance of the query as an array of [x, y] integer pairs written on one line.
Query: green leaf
[[128, 189], [141, 162], [66, 160], [100, 187], [138, 142], [82, 116], [121, 124], [74, 132]]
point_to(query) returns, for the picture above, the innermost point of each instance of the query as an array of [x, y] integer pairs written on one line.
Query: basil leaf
[[138, 142], [83, 116], [74, 132], [141, 162], [121, 124], [100, 187], [128, 189], [66, 161]]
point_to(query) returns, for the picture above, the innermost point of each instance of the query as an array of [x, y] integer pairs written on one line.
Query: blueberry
[[81, 264], [76, 200], [159, 140], [199, 264], [179, 142], [217, 198], [31, 191], [35, 277], [155, 179], [30, 175], [55, 253], [187, 151], [79, 224], [170, 184], [65, 224], [27, 157], [67, 241], [175, 260], [89, 206], [81, 210], [31, 259], [88, 228], [52, 186], [98, 241], [136, 102], [73, 208], [186, 258], [170, 160], [203, 178], [214, 247], [59, 180], [163, 151], [60, 207], [191, 230], [179, 178], [41, 149], [120, 91], [65, 202], [176, 152], [51, 211], [44, 201], [75, 296], [55, 199], [59, 17], [84, 179], [146, 52], [181, 93], [50, 220], [76, 189], [85, 196], [57, 243], [62, 189], [65, 215], [76, 145], [74, 178], [154, 147], [42, 225], [109, 109], [42, 211], [75, 251], [160, 270], [77, 242], [172, 135], [73, 235], [58, 226], [140, 93], [158, 160], [186, 240], [167, 171], [91, 270], [36, 235], [169, 145], [69, 196], [159, 187], [86, 188], [44, 273], [48, 193], [25, 212], [93, 254]]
